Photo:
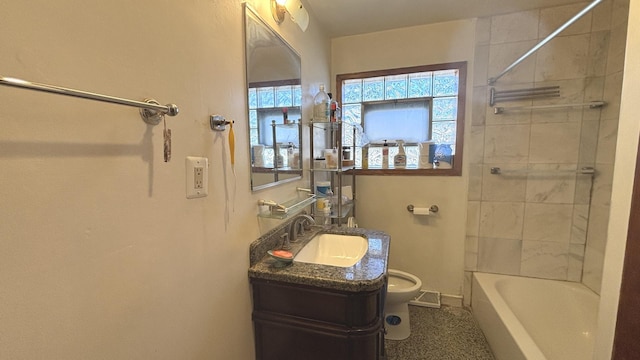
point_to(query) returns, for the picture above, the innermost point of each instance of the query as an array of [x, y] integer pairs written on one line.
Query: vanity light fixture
[[296, 10]]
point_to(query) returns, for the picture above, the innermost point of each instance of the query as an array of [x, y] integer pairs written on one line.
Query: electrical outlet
[[197, 179]]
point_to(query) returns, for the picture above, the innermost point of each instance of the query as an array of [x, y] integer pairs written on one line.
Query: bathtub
[[526, 318]]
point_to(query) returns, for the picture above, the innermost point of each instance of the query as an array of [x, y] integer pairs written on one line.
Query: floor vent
[[427, 298]]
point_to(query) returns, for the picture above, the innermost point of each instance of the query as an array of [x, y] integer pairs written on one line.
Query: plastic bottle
[[290, 157], [385, 155], [365, 157], [328, 205], [400, 160], [279, 158], [334, 109], [321, 106]]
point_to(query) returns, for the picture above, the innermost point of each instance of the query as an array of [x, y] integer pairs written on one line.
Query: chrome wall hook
[[219, 123]]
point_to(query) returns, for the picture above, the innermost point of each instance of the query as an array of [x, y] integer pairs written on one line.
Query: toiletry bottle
[[400, 160], [385, 155], [321, 106], [279, 158], [365, 156], [328, 205], [334, 112], [290, 158]]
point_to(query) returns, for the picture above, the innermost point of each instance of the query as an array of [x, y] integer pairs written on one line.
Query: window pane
[[396, 87], [444, 132], [375, 157], [284, 97], [347, 135], [253, 119], [284, 134], [297, 95], [406, 120], [268, 157], [413, 152], [445, 108], [373, 89], [253, 99], [352, 114], [253, 136], [265, 97], [420, 84], [352, 91], [445, 83]]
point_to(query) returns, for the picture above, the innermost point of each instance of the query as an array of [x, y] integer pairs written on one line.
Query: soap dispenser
[[400, 160], [385, 155]]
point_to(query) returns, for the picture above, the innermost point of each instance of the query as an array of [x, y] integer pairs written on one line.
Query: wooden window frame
[[456, 169]]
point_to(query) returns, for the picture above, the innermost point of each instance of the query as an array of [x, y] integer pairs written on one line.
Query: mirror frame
[[250, 15]]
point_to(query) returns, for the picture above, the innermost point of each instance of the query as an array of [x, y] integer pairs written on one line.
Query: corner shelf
[[344, 212], [333, 138]]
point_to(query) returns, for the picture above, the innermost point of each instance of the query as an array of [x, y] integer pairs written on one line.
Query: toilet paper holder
[[432, 208]]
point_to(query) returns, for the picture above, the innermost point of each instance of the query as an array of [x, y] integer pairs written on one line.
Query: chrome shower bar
[[522, 94], [150, 110], [590, 105], [587, 170], [545, 40]]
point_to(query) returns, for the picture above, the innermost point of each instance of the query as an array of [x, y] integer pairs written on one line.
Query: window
[[418, 105], [266, 104]]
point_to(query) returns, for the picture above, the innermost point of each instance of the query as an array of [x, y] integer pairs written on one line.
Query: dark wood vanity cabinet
[[299, 322]]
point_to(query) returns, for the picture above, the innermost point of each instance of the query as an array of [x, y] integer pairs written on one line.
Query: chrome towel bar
[[587, 170], [591, 105], [150, 110]]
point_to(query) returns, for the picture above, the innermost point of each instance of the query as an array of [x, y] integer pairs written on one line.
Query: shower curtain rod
[[151, 111], [545, 40]]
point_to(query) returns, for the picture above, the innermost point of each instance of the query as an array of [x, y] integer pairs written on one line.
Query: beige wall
[[431, 248], [101, 254]]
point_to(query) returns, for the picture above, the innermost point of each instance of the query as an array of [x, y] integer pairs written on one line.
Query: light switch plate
[[197, 176]]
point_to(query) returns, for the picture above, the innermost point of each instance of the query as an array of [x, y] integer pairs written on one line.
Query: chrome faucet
[[297, 225]]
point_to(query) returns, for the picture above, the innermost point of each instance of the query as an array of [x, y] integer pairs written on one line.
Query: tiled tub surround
[[368, 274], [539, 224]]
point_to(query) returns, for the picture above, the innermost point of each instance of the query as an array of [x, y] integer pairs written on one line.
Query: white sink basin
[[333, 249]]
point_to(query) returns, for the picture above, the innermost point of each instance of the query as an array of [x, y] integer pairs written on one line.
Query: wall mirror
[[274, 99]]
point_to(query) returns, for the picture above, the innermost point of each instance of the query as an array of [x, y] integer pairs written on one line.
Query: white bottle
[[279, 160], [400, 160], [321, 106], [385, 155]]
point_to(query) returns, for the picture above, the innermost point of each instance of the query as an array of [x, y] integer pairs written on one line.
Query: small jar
[[346, 153]]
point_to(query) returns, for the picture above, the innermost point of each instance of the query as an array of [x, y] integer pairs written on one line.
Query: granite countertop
[[366, 275]]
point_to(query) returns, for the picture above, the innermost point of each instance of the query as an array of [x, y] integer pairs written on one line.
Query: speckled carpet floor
[[448, 333]]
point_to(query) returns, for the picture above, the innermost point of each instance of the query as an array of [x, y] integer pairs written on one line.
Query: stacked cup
[[258, 155]]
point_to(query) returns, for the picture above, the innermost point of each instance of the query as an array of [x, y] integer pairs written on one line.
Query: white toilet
[[401, 288]]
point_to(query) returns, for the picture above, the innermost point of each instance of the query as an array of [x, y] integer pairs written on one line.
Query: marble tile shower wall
[[540, 223]]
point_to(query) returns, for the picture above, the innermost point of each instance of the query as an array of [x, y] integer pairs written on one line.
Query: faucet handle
[[286, 245]]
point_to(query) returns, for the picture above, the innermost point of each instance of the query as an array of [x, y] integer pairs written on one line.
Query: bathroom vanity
[[311, 311]]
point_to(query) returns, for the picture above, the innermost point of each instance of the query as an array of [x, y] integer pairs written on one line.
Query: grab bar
[[151, 111], [587, 170], [544, 41]]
